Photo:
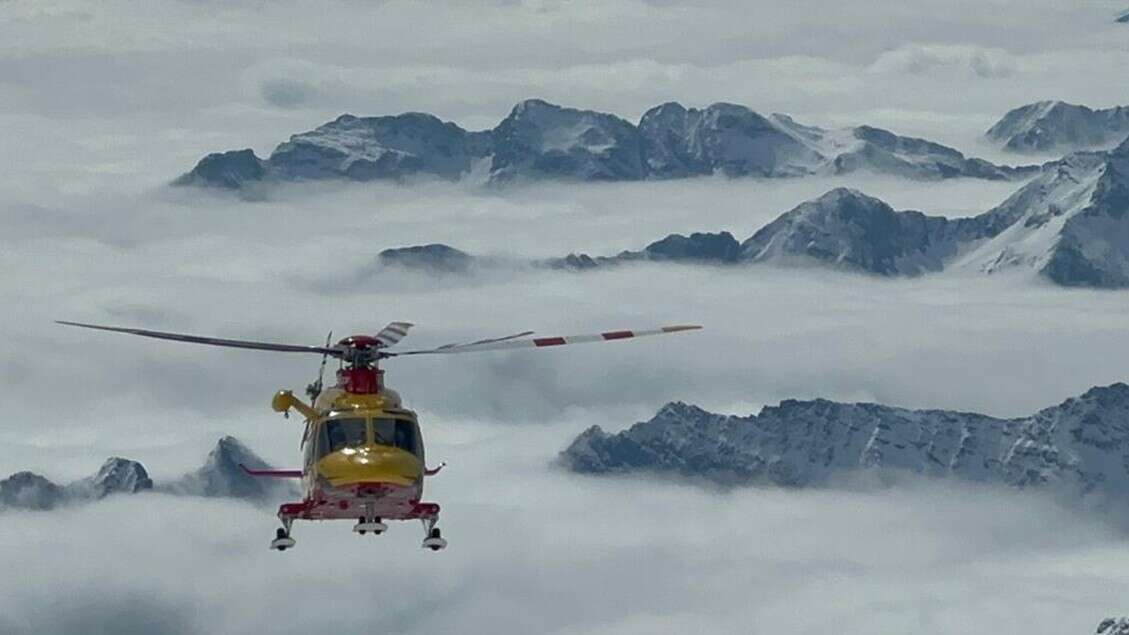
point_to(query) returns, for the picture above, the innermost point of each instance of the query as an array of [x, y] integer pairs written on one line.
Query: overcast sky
[[102, 103]]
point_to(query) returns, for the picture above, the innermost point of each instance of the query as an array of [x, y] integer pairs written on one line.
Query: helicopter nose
[[371, 464]]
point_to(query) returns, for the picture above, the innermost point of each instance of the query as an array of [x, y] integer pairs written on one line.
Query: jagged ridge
[[1079, 444], [539, 140], [220, 476], [1055, 125]]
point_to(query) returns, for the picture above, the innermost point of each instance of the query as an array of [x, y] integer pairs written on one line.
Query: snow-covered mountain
[[847, 229], [1079, 445], [539, 140], [1071, 223], [220, 476], [1056, 125], [117, 475]]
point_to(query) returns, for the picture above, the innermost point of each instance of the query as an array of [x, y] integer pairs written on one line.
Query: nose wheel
[[366, 525]]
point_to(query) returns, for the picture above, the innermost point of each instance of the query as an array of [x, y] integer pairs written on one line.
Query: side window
[[337, 434]]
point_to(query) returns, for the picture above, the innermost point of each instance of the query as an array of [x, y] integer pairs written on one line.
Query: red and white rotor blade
[[394, 332], [501, 344]]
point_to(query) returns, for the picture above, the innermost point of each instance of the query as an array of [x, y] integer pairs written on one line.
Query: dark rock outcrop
[[1078, 445]]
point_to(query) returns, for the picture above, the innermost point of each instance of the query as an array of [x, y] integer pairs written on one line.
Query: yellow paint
[[371, 463]]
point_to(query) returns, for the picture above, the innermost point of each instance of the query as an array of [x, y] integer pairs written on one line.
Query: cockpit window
[[399, 433], [342, 433]]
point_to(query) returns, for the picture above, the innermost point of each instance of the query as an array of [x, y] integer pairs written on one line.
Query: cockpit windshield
[[337, 434], [399, 433]]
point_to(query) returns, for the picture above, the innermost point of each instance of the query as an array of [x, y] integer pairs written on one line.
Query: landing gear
[[434, 540], [282, 540], [374, 525]]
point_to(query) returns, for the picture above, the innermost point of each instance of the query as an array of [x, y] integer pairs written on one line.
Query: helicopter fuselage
[[363, 458]]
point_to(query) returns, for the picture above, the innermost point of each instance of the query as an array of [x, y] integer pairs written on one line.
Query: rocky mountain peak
[[432, 257], [117, 475], [28, 490], [222, 475]]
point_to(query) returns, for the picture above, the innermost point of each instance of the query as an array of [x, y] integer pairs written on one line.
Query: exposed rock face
[[850, 230], [884, 152], [1079, 445], [433, 257], [367, 148], [1054, 125], [228, 170], [698, 248], [539, 140], [116, 475], [723, 138], [542, 140], [1114, 626], [720, 248], [221, 476], [27, 490]]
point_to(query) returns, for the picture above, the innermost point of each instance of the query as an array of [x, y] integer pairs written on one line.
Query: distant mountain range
[[539, 140], [1055, 125], [1070, 224], [1079, 446], [220, 476]]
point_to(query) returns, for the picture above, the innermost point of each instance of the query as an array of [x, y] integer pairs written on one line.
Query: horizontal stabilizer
[[272, 473]]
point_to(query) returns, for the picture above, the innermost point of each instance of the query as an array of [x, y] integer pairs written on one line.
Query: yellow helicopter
[[362, 450]]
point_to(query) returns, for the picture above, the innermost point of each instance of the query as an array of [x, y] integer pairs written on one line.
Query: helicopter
[[362, 450]]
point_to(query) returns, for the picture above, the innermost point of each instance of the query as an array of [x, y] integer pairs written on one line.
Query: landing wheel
[[365, 525], [434, 540], [282, 540]]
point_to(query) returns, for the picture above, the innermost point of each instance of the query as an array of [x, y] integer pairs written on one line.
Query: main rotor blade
[[487, 341], [393, 333], [508, 343], [212, 341]]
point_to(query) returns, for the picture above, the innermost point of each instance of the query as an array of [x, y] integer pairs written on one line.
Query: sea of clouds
[[101, 104]]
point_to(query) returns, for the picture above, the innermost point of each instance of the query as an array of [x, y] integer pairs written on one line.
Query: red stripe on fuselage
[[617, 335], [549, 341]]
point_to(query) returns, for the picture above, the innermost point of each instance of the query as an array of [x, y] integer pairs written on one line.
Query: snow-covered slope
[[1056, 125], [1071, 223], [539, 140], [543, 140], [1079, 445], [847, 229], [723, 138], [117, 475]]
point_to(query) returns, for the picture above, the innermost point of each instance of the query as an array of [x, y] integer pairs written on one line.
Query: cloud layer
[[102, 103]]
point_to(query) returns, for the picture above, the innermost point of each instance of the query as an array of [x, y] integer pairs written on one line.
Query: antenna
[[314, 389]]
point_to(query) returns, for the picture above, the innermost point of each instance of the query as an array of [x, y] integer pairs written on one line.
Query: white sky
[[102, 103]]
